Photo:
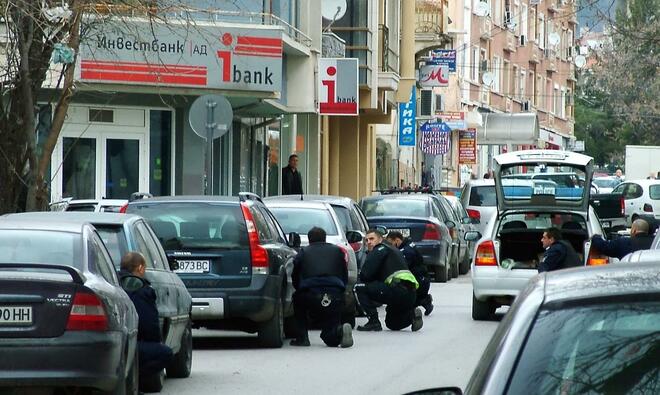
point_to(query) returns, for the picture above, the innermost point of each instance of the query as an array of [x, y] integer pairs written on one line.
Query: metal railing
[[389, 58], [430, 16], [358, 45]]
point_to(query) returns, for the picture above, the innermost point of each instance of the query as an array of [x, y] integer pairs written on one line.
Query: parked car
[[233, 257], [417, 216], [606, 184], [122, 233], [510, 248], [65, 321], [465, 224], [652, 255], [94, 205], [350, 216], [576, 331], [460, 259], [300, 217], [642, 197], [478, 199]]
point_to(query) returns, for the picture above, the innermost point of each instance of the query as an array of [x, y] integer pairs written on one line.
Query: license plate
[[404, 231], [12, 315], [193, 266]]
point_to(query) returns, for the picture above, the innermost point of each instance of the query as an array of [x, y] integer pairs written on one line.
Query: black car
[[233, 257], [122, 233], [65, 321], [418, 217]]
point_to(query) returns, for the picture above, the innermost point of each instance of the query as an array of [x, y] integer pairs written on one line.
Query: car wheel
[[271, 334], [440, 273], [464, 267], [482, 311], [454, 267], [153, 383], [181, 364]]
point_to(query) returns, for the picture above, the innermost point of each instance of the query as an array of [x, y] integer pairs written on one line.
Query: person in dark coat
[[558, 254], [291, 179], [415, 262], [386, 280], [153, 355], [320, 275], [618, 248]]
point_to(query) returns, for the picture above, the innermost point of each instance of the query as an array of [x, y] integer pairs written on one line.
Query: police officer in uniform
[[387, 280], [320, 275], [558, 254], [416, 266]]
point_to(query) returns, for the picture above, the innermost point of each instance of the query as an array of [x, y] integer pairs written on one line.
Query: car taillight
[[356, 246], [486, 254], [622, 203], [648, 208], [474, 213], [596, 259], [123, 208], [258, 254], [87, 314], [432, 232]]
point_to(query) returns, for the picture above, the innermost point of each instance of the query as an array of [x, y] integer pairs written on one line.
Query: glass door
[[79, 167], [122, 167]]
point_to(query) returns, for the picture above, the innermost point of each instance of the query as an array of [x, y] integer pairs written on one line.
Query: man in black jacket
[[320, 275], [291, 179], [639, 240], [153, 355], [387, 280], [558, 254], [416, 266]]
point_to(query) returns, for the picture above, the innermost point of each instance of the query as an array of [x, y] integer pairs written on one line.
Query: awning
[[508, 128]]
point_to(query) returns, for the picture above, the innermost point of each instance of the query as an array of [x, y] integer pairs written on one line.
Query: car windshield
[[543, 184], [606, 182], [301, 220], [195, 224], [81, 207], [654, 192], [609, 348], [483, 196], [41, 246], [396, 208]]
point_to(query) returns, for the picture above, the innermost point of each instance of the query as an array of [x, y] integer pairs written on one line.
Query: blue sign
[[407, 125], [435, 139], [444, 56]]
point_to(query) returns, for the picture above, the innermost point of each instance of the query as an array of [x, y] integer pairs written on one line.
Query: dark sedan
[[64, 319]]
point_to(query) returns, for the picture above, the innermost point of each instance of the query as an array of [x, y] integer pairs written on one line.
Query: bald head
[[639, 226]]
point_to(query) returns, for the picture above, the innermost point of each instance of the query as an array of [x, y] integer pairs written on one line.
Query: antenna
[[332, 10], [482, 9], [553, 38], [580, 61]]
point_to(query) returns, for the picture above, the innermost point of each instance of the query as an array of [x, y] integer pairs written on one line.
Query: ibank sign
[[204, 56]]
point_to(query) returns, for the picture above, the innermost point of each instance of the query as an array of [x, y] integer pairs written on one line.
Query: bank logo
[[338, 86], [238, 46]]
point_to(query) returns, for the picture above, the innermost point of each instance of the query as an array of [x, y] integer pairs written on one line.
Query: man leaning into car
[[558, 254], [618, 248], [153, 355]]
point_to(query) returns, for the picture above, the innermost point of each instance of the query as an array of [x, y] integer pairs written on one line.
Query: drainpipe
[[407, 51]]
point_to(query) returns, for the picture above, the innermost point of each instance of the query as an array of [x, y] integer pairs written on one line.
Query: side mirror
[[293, 240], [353, 236], [472, 235], [131, 283], [466, 221], [450, 224]]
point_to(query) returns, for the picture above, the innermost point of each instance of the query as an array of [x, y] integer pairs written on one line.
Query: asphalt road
[[443, 353]]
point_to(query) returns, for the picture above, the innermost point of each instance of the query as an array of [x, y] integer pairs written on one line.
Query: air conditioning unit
[[523, 40], [426, 103], [527, 105]]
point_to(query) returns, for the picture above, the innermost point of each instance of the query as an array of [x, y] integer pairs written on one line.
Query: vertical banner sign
[[435, 138], [467, 147], [338, 86], [407, 124]]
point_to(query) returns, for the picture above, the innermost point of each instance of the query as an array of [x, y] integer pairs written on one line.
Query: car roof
[[602, 281], [416, 196], [537, 155], [642, 256], [643, 182], [481, 182], [332, 199], [77, 216], [187, 198], [14, 222], [297, 203], [107, 202]]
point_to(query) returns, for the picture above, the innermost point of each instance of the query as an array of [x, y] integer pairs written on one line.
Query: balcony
[[534, 57], [431, 23], [388, 73], [485, 28], [511, 42]]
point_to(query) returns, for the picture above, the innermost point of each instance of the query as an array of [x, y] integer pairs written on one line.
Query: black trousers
[[325, 307], [423, 290], [153, 357], [400, 301]]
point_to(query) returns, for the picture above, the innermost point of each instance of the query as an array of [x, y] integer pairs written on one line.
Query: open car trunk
[[524, 247]]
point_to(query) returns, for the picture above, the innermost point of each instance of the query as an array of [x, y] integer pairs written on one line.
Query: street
[[443, 353]]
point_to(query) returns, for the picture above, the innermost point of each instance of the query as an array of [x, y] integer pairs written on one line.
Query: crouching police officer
[[387, 280], [320, 275], [415, 262]]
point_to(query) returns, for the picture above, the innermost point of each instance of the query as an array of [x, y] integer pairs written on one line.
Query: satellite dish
[[553, 38], [580, 61], [482, 9], [333, 10], [487, 78]]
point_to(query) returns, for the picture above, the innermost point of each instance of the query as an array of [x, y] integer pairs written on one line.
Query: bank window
[[160, 152]]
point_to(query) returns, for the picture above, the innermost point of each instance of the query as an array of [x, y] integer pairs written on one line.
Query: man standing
[[153, 355], [291, 179], [387, 280], [416, 266], [639, 240], [320, 275], [558, 254]]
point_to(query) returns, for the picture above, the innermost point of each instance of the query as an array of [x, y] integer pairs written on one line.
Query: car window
[[152, 247], [100, 262], [143, 247], [356, 222], [364, 225], [619, 188], [344, 217], [272, 225], [115, 241], [301, 220], [40, 246], [634, 191], [261, 224], [438, 212], [81, 207], [446, 208], [654, 192], [609, 348], [396, 207], [483, 196]]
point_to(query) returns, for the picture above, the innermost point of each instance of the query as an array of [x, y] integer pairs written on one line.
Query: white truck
[[642, 161]]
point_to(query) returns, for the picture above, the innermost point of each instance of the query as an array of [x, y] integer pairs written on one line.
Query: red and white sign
[[217, 57], [434, 75], [338, 86]]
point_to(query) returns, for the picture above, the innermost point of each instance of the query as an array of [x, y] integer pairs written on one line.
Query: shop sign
[[338, 86], [454, 119], [434, 75], [182, 55], [407, 121], [435, 138], [444, 56], [467, 147]]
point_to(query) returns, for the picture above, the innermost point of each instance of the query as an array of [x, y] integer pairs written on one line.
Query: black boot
[[300, 342], [373, 325], [427, 304]]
